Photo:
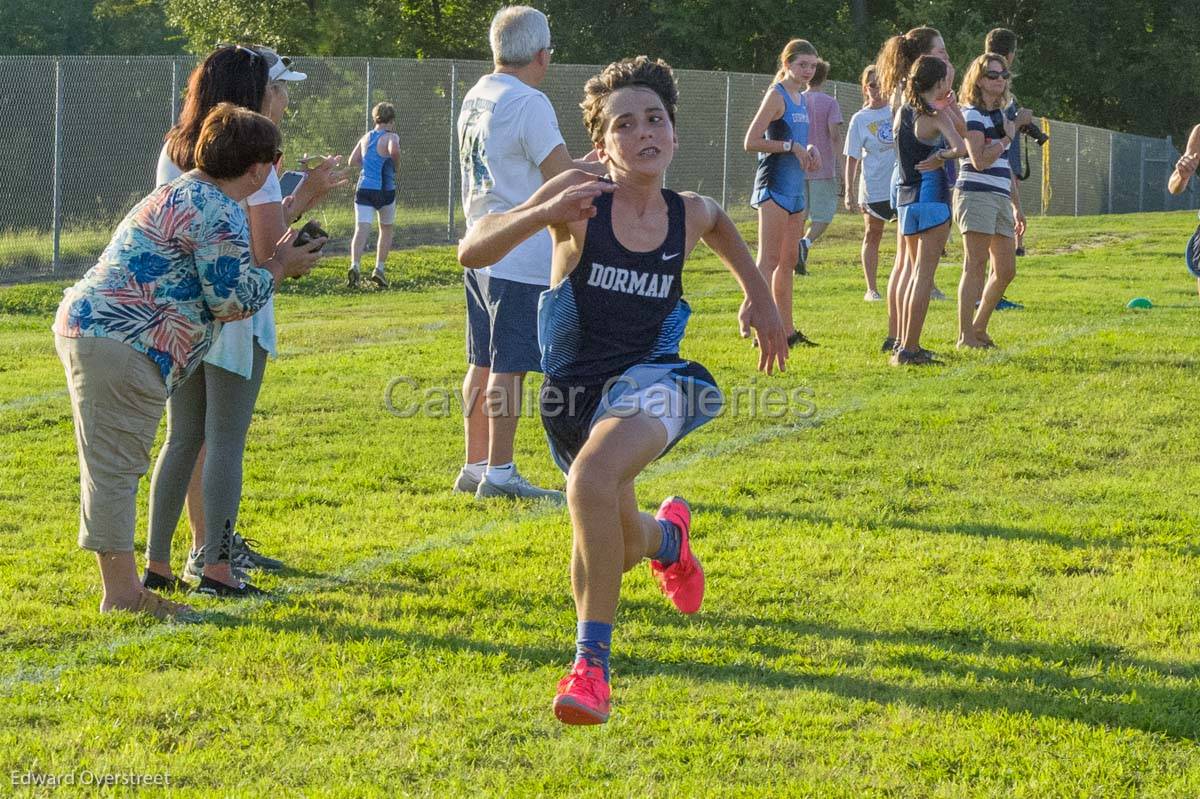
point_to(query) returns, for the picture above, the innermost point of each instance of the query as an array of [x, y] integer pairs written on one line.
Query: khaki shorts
[[984, 212], [822, 200], [117, 399]]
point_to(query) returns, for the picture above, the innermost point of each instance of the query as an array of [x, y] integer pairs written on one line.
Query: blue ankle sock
[[593, 639], [668, 550]]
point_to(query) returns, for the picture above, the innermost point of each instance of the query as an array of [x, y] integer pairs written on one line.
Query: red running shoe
[[584, 696], [683, 580]]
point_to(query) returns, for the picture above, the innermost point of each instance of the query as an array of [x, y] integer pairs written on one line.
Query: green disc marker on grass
[[1139, 302]]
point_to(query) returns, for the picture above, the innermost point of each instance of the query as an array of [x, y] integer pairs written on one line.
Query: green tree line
[[1123, 64]]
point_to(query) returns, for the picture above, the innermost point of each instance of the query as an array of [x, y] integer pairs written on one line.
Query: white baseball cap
[[279, 67]]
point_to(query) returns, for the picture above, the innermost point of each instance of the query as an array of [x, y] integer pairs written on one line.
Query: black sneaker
[[243, 551], [210, 587], [802, 260], [920, 357], [352, 278], [156, 582], [798, 338], [889, 345], [378, 279]]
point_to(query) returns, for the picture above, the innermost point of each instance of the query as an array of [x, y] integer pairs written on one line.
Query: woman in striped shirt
[[983, 205]]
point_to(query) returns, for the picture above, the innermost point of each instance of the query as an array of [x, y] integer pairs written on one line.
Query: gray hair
[[517, 34]]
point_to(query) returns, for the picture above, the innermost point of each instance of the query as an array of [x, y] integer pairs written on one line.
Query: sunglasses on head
[[254, 54], [993, 74]]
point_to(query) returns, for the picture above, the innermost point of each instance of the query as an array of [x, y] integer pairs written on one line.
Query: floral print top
[[178, 265]]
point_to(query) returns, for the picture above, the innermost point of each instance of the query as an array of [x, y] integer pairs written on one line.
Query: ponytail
[[793, 48]]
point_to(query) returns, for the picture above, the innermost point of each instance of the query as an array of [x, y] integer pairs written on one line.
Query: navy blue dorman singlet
[[618, 308]]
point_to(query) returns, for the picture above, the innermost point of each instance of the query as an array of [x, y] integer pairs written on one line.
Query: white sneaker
[[872, 296], [516, 488], [465, 483], [193, 570]]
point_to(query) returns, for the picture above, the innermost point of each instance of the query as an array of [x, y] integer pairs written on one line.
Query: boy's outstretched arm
[[566, 198], [758, 311]]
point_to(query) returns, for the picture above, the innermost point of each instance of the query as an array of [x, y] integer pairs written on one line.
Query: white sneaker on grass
[[517, 487], [466, 483], [193, 570]]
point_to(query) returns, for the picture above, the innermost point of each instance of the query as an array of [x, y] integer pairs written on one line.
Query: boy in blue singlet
[[617, 393]]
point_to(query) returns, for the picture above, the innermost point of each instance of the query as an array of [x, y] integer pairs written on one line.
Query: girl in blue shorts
[[923, 197], [779, 134]]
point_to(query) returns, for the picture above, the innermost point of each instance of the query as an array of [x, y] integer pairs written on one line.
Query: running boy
[[617, 394]]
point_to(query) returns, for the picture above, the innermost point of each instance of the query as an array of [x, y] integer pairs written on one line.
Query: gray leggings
[[213, 405]]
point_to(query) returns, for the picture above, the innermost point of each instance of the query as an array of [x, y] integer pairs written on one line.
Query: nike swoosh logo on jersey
[[669, 257]]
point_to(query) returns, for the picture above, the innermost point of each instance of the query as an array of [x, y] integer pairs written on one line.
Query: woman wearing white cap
[[209, 415]]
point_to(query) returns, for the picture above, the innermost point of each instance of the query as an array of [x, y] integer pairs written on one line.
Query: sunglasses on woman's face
[[993, 74]]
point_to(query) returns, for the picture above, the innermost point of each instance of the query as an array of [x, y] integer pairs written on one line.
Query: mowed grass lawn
[[973, 580]]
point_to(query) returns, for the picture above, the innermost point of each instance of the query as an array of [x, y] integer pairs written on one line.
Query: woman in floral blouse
[[133, 328]]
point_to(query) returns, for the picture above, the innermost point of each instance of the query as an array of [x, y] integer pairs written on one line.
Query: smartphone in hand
[[290, 181]]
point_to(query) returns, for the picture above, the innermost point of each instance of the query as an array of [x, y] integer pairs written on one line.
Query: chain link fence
[[82, 135]]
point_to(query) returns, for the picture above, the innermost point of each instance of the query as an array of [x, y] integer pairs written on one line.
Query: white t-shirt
[[233, 347], [871, 140], [505, 130]]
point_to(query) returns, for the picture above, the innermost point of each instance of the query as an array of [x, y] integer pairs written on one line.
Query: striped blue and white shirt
[[998, 177]]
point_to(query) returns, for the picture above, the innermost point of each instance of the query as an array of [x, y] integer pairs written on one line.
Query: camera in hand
[[1034, 132], [310, 231]]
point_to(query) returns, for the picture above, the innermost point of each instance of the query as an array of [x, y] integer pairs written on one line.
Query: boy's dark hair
[[654, 75], [1000, 40], [820, 74], [232, 140]]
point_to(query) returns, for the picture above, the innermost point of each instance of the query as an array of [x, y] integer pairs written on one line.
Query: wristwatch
[[787, 146]]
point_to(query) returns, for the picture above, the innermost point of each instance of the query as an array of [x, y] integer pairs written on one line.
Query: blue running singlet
[[613, 326], [378, 171], [779, 176], [923, 198]]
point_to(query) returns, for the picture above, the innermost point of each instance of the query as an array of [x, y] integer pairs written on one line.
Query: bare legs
[[897, 288], [778, 251], [383, 246], [503, 412], [610, 534], [475, 421], [358, 243], [872, 236], [1004, 269], [970, 286], [927, 247]]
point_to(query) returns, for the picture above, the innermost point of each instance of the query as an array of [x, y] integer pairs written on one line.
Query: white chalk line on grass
[[89, 654], [33, 399]]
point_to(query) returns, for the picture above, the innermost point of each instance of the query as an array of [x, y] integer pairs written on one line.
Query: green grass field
[[972, 580]]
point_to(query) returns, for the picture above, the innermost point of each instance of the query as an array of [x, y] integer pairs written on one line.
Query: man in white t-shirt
[[509, 143]]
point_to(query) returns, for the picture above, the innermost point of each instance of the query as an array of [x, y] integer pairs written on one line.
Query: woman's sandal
[[154, 605]]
